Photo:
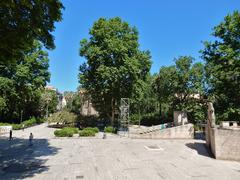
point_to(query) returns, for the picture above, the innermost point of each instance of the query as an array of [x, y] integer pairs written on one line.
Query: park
[[119, 90]]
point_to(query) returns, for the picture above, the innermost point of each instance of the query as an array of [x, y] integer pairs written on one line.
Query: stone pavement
[[108, 159]]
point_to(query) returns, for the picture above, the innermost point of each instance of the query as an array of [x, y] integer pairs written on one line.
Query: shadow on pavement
[[201, 148], [18, 160]]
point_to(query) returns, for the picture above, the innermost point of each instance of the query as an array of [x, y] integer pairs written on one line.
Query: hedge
[[66, 132], [95, 129], [109, 129], [87, 132], [26, 123]]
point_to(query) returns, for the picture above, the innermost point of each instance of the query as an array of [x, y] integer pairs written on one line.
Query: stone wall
[[224, 142], [178, 132]]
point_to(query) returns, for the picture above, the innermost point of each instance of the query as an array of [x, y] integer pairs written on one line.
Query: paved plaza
[[108, 159]]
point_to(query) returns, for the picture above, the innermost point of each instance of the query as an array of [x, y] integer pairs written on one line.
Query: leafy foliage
[[63, 117], [74, 102], [115, 66], [95, 129], [21, 84], [24, 124], [222, 59], [66, 132], [109, 129], [182, 86], [23, 22], [48, 102], [87, 132]]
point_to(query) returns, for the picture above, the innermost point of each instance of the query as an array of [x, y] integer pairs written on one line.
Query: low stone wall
[[225, 143], [5, 129], [177, 132]]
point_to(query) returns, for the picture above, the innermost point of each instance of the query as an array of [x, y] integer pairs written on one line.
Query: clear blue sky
[[167, 28]]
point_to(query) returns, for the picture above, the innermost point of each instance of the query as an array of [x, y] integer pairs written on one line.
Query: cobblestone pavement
[[108, 159]]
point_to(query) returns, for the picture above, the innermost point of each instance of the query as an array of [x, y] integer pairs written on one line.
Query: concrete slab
[[111, 158]]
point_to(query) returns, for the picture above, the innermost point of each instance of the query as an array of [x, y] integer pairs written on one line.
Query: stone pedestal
[[180, 118]]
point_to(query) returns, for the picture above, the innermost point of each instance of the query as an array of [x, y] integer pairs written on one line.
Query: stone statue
[[211, 115]]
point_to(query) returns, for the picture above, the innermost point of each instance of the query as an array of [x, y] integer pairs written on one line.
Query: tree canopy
[[23, 22], [115, 66], [222, 59], [21, 84], [181, 85]]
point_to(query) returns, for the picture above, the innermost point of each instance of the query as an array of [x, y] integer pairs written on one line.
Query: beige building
[[87, 107]]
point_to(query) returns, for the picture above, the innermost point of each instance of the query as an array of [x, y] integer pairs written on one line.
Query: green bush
[[74, 130], [4, 124], [63, 133], [134, 118], [95, 129], [16, 126], [26, 123], [87, 132], [30, 122], [109, 129], [63, 117], [40, 120]]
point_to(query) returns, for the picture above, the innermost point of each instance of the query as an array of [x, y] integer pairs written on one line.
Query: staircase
[[162, 131]]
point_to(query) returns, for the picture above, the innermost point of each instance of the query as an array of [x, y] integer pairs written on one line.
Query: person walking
[[30, 139], [10, 135]]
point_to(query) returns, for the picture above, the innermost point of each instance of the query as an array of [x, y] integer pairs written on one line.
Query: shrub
[[4, 124], [95, 129], [134, 118], [16, 126], [88, 121], [109, 129], [63, 133], [26, 123], [74, 130], [87, 132], [63, 117], [30, 122], [40, 120]]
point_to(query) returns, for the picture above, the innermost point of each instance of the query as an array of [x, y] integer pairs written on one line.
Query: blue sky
[[167, 28]]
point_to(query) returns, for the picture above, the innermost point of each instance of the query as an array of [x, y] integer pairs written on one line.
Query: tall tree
[[114, 63], [22, 22], [21, 84], [74, 101], [180, 85], [222, 59]]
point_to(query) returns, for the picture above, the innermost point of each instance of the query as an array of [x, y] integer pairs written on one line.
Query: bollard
[[104, 136]]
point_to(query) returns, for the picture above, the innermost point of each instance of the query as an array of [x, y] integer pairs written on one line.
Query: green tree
[[182, 87], [222, 59], [23, 22], [164, 87], [21, 84], [114, 64], [48, 102], [74, 102]]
